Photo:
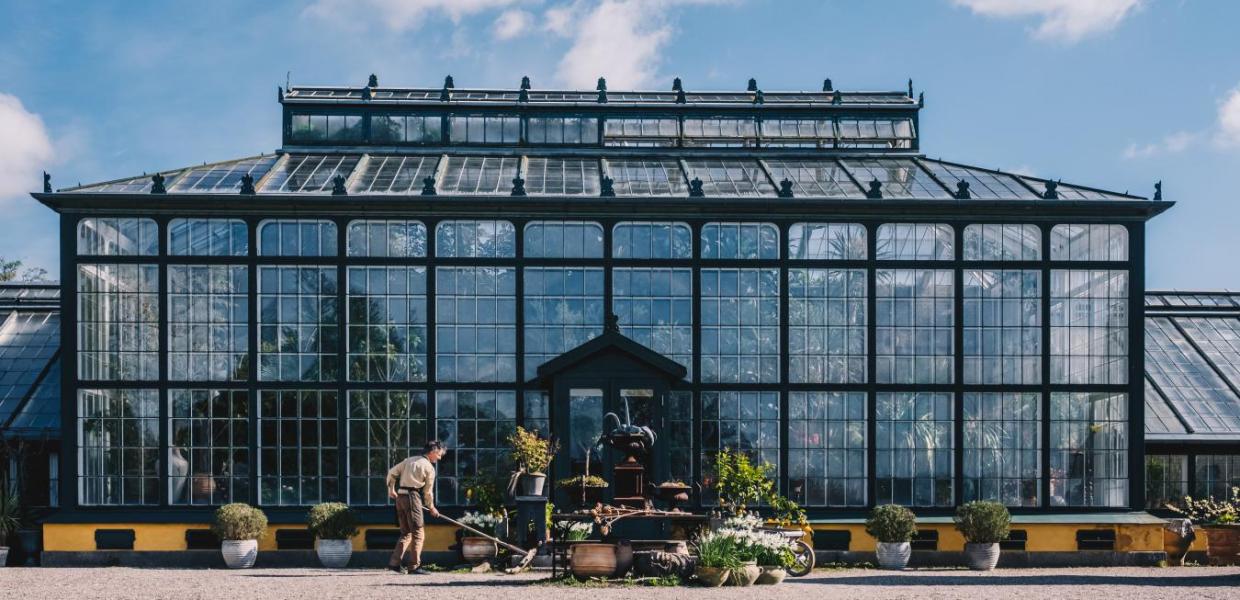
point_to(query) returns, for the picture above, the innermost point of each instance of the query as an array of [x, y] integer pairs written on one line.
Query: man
[[412, 484]]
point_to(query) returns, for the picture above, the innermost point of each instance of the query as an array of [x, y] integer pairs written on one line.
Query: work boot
[[398, 569], [418, 570]]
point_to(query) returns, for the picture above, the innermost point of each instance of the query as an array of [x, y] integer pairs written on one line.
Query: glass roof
[[901, 178], [1159, 418], [223, 177], [1220, 300], [479, 175], [730, 177], [394, 174], [561, 176], [815, 178], [325, 93], [1219, 340], [1187, 381], [21, 292], [42, 412], [1072, 192], [983, 185], [308, 173], [27, 341], [650, 177], [133, 185]]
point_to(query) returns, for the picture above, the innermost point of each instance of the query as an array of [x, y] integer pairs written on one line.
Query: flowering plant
[[745, 521], [576, 531], [1208, 511], [481, 521], [748, 544]]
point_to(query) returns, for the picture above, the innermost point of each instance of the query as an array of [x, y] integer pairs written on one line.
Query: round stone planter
[[771, 576], [893, 556], [4, 555], [334, 554], [981, 557], [477, 550], [712, 576], [745, 576], [239, 554], [593, 560]]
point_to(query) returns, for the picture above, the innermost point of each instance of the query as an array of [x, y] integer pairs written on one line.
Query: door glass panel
[[640, 407], [585, 414]]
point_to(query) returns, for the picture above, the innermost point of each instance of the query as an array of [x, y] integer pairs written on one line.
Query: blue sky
[[1111, 93]]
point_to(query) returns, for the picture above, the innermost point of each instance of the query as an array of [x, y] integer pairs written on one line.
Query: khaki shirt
[[414, 472]]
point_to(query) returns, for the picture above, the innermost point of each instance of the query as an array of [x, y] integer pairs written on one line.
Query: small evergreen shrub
[[239, 521], [576, 481], [332, 521], [891, 524], [983, 522], [532, 454]]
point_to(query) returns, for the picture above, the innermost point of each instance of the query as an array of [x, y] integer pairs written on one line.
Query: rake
[[525, 560]]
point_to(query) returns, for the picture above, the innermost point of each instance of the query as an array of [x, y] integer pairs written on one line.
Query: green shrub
[[592, 481], [983, 522], [531, 453], [239, 521], [739, 482], [718, 550], [332, 521], [486, 493], [891, 524]]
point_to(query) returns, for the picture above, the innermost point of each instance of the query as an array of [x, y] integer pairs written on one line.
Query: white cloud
[[559, 19], [26, 151], [510, 24], [1062, 20], [1173, 143], [1228, 134], [402, 15]]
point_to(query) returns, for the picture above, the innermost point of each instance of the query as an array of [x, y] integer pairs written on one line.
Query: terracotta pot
[[624, 558], [593, 560], [477, 550], [1223, 544], [981, 557], [746, 575], [893, 556], [771, 576], [239, 554], [712, 576], [334, 554]]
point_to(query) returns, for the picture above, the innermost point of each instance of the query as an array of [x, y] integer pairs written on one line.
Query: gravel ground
[[269, 584]]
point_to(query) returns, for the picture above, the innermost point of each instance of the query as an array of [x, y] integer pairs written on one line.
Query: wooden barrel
[[593, 560]]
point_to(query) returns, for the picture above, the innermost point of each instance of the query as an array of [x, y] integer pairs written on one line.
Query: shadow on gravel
[[1043, 580], [465, 583]]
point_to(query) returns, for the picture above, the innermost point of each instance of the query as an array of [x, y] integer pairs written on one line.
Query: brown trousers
[[409, 516]]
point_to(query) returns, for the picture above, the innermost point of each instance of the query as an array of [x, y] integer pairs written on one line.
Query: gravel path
[[1196, 583]]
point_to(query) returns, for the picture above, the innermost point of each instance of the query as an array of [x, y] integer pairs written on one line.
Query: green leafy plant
[[532, 454], [486, 493], [891, 524], [576, 481], [575, 531], [1208, 511], [10, 514], [332, 521], [739, 482], [239, 521], [718, 550], [786, 512], [983, 522]]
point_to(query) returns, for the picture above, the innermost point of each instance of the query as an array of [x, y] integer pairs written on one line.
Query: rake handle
[[512, 547]]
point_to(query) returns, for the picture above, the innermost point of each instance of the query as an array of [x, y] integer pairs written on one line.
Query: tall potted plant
[[532, 455], [983, 524], [893, 526], [10, 520], [239, 525], [739, 482], [334, 524]]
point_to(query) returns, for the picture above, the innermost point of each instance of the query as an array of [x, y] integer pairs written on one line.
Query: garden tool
[[525, 560]]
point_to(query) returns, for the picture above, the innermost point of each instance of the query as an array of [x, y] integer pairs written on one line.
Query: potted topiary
[[532, 455], [334, 524], [10, 520], [717, 557], [893, 526], [583, 490], [983, 524], [239, 525]]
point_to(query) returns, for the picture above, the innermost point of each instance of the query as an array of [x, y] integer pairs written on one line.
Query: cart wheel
[[804, 562]]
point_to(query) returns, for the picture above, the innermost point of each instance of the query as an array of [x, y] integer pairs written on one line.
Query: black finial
[[676, 87], [837, 98], [428, 186], [445, 95], [366, 93], [607, 187], [338, 185], [247, 185], [681, 98], [876, 190], [1157, 187], [612, 323], [157, 184], [373, 81], [525, 82], [962, 190], [910, 87], [1051, 193], [523, 95], [47, 183], [695, 188], [921, 99], [753, 85], [759, 97], [602, 84], [448, 83], [518, 186], [826, 85], [785, 188]]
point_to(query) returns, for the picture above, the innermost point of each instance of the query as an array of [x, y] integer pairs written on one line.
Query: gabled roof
[[1192, 366], [29, 360], [612, 340]]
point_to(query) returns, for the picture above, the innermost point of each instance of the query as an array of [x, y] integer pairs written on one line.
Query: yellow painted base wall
[[1043, 537], [80, 537]]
